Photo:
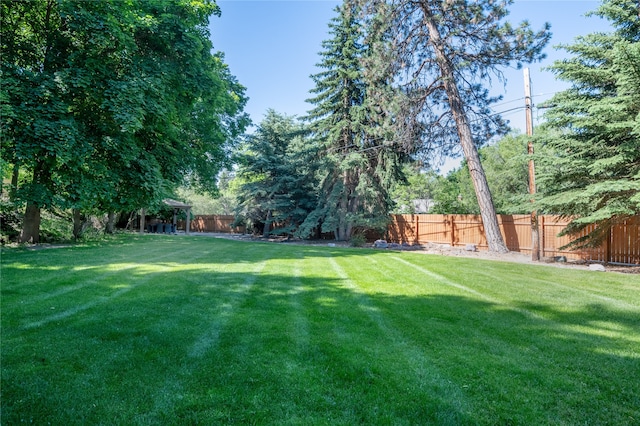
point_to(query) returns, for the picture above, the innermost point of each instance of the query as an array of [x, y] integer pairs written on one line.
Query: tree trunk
[[31, 225], [111, 223], [341, 229], [348, 206], [14, 180], [79, 224], [485, 201], [267, 225]]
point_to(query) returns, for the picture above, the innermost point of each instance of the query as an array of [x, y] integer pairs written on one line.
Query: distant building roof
[[176, 204]]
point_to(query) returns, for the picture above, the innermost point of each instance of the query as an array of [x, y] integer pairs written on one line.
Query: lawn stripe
[[552, 323], [444, 280], [99, 301], [209, 339], [102, 277], [423, 369], [43, 256], [589, 293], [118, 268], [169, 395], [300, 322]]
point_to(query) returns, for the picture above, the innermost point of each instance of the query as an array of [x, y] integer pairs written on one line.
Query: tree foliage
[[277, 168], [106, 105], [506, 166], [417, 188], [443, 54], [359, 162], [594, 127]]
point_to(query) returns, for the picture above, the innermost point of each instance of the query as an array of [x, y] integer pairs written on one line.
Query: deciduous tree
[[505, 163], [110, 103]]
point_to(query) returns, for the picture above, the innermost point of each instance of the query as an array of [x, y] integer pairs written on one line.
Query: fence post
[[608, 246], [453, 227], [417, 238], [542, 241]]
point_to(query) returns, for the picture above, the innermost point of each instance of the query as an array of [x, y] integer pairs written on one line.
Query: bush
[[358, 240], [54, 228], [10, 220]]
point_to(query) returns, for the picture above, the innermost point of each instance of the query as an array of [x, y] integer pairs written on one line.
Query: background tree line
[[120, 119], [587, 152], [401, 81]]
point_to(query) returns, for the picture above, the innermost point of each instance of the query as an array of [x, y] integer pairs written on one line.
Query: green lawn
[[193, 330]]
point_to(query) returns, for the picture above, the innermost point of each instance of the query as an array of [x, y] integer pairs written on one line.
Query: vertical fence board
[[458, 230], [625, 242], [212, 223], [622, 247]]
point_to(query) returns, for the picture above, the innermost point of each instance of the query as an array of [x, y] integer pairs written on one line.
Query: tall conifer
[[594, 127], [359, 164], [443, 55], [278, 174]]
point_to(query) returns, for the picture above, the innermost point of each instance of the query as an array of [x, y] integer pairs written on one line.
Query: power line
[[494, 114]]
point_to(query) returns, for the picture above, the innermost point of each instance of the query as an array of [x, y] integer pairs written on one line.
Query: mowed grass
[[192, 330]]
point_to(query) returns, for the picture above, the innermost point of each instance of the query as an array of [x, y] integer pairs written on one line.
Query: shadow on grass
[[172, 248], [198, 346]]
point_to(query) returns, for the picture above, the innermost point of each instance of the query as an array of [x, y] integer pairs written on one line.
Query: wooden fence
[[213, 223], [622, 246]]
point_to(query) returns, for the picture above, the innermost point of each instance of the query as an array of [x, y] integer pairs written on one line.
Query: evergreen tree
[[443, 53], [594, 128], [359, 164], [278, 171]]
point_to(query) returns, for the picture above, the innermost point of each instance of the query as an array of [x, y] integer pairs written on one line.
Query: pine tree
[[594, 128], [359, 164], [442, 54], [278, 171]]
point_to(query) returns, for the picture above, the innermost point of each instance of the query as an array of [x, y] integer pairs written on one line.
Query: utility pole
[[535, 234]]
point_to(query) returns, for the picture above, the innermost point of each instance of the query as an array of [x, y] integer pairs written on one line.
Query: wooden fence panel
[[212, 223], [434, 228], [516, 231], [552, 242], [623, 246], [403, 227], [467, 229]]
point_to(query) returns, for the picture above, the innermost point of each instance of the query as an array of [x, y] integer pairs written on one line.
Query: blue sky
[[272, 48]]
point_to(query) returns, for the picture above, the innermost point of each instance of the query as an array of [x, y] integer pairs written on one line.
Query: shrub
[[358, 240]]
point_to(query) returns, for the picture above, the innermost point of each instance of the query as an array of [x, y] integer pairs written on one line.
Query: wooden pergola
[[176, 205]]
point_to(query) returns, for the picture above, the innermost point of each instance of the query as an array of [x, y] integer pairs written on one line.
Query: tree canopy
[[443, 55], [107, 105], [506, 166], [359, 163], [593, 128], [277, 169]]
